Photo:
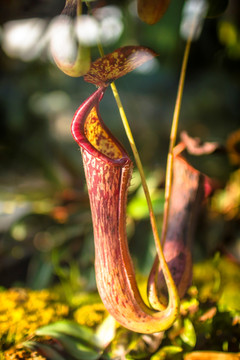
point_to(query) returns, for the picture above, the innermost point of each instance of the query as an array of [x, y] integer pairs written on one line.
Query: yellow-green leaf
[[188, 335]]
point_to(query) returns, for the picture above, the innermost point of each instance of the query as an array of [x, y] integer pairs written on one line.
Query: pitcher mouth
[[92, 134]]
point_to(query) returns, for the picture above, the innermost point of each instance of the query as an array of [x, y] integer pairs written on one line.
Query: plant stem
[[173, 136], [79, 7], [172, 290], [139, 166]]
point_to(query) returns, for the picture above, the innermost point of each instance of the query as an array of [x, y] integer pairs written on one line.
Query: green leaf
[[78, 340], [69, 328], [188, 335], [78, 350], [216, 7], [168, 353], [230, 298], [75, 348], [46, 350]]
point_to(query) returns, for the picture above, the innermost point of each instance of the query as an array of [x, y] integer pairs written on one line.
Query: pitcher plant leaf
[[108, 170], [188, 193]]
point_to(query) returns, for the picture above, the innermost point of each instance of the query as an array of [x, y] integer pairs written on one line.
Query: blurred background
[[45, 221]]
